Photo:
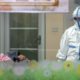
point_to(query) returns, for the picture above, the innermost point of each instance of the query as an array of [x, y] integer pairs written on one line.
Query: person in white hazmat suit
[[70, 41]]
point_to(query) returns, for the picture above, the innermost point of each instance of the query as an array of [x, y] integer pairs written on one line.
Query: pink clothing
[[4, 57]]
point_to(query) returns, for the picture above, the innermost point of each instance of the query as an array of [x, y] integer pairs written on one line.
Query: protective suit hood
[[76, 16], [76, 12]]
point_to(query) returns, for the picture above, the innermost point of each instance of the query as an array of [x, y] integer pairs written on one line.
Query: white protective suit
[[70, 42]]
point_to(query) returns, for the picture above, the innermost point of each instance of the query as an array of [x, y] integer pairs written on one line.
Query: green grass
[[40, 73]]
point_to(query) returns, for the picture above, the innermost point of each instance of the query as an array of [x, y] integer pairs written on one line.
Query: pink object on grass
[[4, 57]]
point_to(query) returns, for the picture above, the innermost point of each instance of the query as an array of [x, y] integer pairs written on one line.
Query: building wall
[[54, 30]]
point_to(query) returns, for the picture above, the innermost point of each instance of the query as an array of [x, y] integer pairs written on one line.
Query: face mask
[[78, 23], [78, 17]]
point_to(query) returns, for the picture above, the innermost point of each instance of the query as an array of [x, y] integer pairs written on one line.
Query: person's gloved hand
[[60, 60]]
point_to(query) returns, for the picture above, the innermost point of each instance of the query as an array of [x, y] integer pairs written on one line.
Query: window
[[23, 32]]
